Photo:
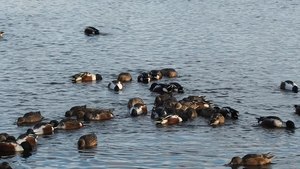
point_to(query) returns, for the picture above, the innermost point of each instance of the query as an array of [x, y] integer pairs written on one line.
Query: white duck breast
[[277, 123], [115, 85], [136, 110], [289, 86]]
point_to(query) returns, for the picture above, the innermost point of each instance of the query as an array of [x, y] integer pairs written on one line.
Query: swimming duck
[[10, 146], [170, 120], [30, 118], [138, 109], [3, 136], [115, 85], [297, 109], [158, 113], [188, 114], [217, 119], [1, 34], [69, 124], [29, 137], [89, 31], [169, 72], [77, 111], [275, 122], [86, 77], [155, 74], [251, 160], [160, 88], [133, 101], [87, 141], [176, 87], [45, 128], [98, 114], [166, 88], [161, 99], [228, 112], [144, 78], [124, 77], [289, 86]]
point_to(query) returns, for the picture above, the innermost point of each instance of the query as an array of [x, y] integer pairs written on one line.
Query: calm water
[[233, 52]]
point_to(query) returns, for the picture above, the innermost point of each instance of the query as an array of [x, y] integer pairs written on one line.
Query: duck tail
[[259, 119], [269, 155]]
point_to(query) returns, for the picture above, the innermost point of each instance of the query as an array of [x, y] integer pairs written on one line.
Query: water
[[233, 52]]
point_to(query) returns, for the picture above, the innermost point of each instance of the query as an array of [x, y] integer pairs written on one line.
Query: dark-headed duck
[[115, 85], [289, 86], [275, 122], [90, 31]]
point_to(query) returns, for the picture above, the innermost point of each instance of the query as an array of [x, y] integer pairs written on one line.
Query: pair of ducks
[[46, 128], [25, 143], [115, 85], [89, 114], [153, 75], [162, 88]]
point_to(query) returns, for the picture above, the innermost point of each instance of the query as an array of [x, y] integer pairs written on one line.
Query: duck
[[169, 72], [90, 31], [144, 77], [158, 112], [155, 74], [45, 128], [29, 137], [86, 77], [188, 114], [171, 119], [138, 109], [124, 77], [3, 136], [275, 122], [297, 109], [161, 99], [196, 102], [76, 111], [289, 85], [30, 118], [217, 119], [10, 146], [176, 87], [98, 114], [132, 101], [251, 160], [87, 141], [69, 124], [1, 34], [227, 112], [5, 165], [160, 88], [115, 85]]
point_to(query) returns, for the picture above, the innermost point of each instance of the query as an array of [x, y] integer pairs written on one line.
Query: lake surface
[[234, 52]]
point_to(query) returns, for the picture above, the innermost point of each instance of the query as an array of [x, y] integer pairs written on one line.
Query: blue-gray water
[[234, 52]]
